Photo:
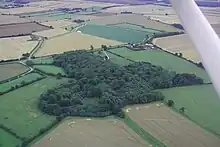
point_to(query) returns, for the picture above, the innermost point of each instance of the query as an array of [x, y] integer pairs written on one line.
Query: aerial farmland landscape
[[104, 73]]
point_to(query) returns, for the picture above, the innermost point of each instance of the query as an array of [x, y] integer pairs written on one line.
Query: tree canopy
[[100, 88]]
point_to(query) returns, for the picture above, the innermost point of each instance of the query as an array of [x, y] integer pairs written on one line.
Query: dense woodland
[[97, 87]]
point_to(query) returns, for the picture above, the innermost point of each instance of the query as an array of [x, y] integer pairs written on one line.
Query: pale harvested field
[[142, 9], [73, 41], [7, 19], [134, 19], [91, 133], [68, 4], [20, 28], [58, 23], [11, 70], [41, 19], [171, 128], [178, 44], [14, 47], [23, 10], [103, 14], [169, 19], [45, 19], [51, 33]]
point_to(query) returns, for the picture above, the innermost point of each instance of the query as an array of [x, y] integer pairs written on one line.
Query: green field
[[7, 140], [18, 109], [50, 69], [27, 78], [61, 15], [48, 13], [115, 33], [43, 60], [136, 27], [201, 103], [115, 59], [163, 59]]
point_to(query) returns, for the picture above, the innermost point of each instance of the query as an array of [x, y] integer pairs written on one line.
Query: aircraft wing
[[204, 38]]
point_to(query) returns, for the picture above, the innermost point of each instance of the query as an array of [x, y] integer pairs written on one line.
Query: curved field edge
[[200, 102], [14, 76], [26, 79], [163, 59]]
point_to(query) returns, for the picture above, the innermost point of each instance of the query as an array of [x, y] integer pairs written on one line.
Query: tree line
[[99, 87]]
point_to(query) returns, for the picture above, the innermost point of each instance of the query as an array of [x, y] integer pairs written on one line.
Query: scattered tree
[[104, 47], [91, 47], [170, 103], [29, 62], [182, 110]]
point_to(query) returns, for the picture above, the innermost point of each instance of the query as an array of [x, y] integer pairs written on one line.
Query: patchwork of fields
[[164, 60], [151, 125], [71, 42], [171, 128], [11, 70], [14, 47], [93, 133]]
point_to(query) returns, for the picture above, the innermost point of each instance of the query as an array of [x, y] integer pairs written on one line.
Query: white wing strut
[[204, 38]]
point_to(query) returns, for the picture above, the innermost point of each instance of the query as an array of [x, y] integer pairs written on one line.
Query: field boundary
[[160, 48], [143, 27], [26, 84], [142, 133], [190, 119], [18, 76], [9, 131]]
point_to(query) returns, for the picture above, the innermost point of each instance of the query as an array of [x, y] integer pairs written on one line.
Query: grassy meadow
[[115, 33], [27, 78], [164, 60], [51, 69], [43, 60], [115, 59], [23, 116], [7, 140]]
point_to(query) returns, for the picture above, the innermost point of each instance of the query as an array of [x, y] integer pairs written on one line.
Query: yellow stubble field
[[51, 33], [92, 133], [170, 127], [73, 41], [178, 44], [14, 47], [59, 23]]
